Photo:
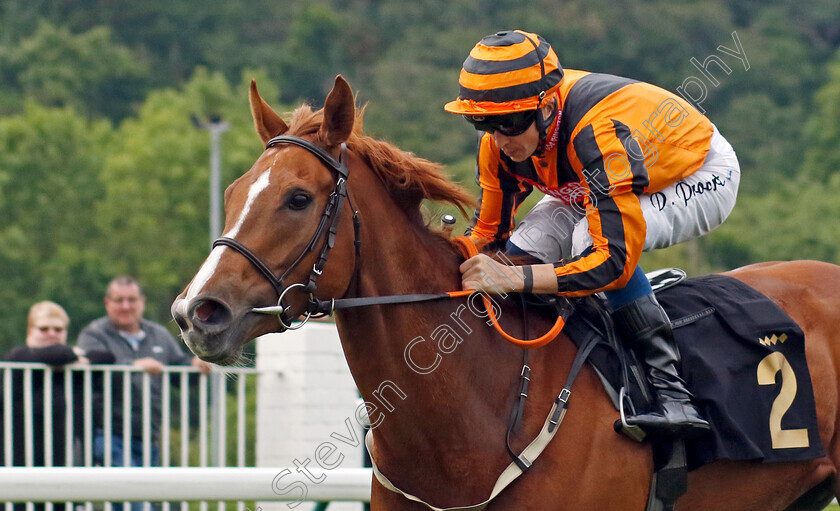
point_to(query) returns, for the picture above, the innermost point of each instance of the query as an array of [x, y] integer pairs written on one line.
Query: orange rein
[[468, 249]]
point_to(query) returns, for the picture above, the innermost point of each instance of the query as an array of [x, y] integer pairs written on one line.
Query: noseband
[[327, 229]]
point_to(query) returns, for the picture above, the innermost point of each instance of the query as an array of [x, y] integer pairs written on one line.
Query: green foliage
[[312, 54], [102, 170], [796, 220], [58, 68], [823, 129], [84, 201], [48, 163], [766, 136], [420, 122]]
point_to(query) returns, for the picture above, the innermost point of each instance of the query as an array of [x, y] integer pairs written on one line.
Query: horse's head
[[280, 216]]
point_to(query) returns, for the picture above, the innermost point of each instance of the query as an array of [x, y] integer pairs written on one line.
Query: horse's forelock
[[305, 121]]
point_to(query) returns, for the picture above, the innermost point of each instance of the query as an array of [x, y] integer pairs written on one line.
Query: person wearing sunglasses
[[46, 343], [625, 167]]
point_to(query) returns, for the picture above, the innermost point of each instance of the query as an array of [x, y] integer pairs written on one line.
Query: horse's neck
[[399, 256], [427, 368]]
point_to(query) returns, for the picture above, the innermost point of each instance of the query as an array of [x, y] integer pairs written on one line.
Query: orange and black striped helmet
[[507, 72]]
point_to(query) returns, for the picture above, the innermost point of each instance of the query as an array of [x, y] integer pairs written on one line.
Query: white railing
[[176, 484], [195, 421]]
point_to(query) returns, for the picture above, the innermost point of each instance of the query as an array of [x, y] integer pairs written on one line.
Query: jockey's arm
[[482, 272], [606, 265], [501, 196]]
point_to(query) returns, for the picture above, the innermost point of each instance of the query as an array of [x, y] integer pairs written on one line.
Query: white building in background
[[306, 412]]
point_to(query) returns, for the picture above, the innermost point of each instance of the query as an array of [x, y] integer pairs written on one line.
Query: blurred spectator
[[46, 343], [134, 341]]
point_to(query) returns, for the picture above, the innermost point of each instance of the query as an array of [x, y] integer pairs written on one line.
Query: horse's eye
[[299, 201]]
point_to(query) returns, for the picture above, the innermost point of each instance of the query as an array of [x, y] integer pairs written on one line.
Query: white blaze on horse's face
[[209, 267]]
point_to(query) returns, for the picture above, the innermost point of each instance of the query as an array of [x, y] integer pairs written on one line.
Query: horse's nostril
[[205, 311], [181, 321], [211, 312]]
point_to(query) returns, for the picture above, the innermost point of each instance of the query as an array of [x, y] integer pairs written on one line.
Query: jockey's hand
[[483, 273]]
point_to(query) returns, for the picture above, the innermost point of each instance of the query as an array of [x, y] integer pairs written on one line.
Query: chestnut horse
[[448, 378]]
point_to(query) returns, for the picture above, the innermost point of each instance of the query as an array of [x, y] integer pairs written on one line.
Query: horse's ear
[[339, 114], [266, 120]]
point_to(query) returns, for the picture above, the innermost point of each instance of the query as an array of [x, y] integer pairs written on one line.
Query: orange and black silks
[[618, 139]]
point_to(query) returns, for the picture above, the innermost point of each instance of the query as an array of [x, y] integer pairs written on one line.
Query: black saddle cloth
[[743, 358]]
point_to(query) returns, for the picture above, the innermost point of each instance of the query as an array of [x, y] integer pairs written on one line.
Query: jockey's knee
[[513, 250], [637, 287]]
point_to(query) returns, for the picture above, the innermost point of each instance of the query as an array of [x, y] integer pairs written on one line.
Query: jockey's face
[[523, 145], [520, 147]]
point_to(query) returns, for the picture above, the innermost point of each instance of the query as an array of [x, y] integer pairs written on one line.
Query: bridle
[[327, 229]]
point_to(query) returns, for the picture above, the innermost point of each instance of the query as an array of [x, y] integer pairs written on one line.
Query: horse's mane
[[408, 178]]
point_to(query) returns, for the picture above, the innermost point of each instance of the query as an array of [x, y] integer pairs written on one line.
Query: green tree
[[408, 93], [793, 221], [312, 55], [766, 137], [87, 71], [49, 165], [822, 131], [155, 211]]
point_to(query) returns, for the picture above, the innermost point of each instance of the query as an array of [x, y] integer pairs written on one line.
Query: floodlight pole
[[216, 127], [217, 420]]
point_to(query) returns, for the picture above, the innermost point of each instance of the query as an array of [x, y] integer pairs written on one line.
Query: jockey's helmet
[[507, 75]]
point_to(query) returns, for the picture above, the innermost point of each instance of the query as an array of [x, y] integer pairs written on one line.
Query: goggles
[[509, 125]]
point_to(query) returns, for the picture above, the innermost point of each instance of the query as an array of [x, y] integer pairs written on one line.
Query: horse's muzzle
[[205, 325]]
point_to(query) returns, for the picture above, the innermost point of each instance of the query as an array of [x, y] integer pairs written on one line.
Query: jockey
[[625, 167]]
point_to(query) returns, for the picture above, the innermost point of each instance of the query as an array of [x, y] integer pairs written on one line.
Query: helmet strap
[[543, 124]]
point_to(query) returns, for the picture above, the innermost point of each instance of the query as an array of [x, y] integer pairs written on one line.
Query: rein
[[468, 249], [327, 229]]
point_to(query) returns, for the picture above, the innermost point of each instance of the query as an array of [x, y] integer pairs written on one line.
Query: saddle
[[621, 373], [743, 359]]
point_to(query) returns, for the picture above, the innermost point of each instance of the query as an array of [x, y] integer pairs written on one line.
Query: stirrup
[[667, 429], [621, 426]]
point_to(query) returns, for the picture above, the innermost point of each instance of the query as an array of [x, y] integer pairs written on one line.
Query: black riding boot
[[646, 329]]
